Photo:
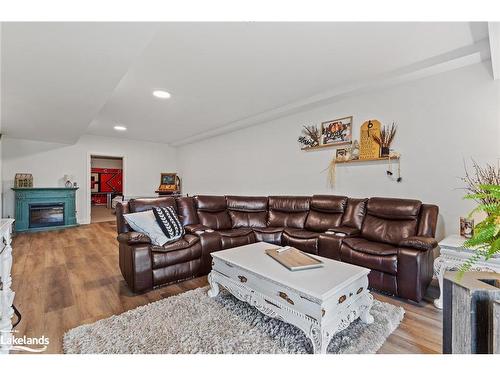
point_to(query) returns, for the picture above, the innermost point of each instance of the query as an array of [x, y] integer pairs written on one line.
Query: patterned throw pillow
[[169, 222]]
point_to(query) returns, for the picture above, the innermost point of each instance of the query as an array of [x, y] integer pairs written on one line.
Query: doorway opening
[[106, 187]]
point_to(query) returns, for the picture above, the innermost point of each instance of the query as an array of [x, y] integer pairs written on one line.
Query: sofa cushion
[[237, 232], [383, 263], [184, 250], [287, 219], [355, 212], [187, 211], [247, 211], [394, 208], [187, 241], [145, 204], [301, 233], [269, 234], [236, 237], [212, 211], [269, 230], [344, 231], [326, 212], [390, 220], [370, 247], [246, 204], [210, 203]]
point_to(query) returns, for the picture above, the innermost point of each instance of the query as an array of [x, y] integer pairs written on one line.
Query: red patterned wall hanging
[[105, 180]]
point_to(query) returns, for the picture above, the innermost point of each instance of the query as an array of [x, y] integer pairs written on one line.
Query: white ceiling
[[64, 80]]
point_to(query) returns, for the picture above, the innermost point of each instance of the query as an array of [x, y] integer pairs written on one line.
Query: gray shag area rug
[[192, 322]]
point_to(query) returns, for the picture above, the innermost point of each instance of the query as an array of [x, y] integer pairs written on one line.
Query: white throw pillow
[[145, 222]]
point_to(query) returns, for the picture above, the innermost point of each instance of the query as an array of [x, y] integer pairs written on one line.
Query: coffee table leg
[[365, 315], [214, 286], [320, 340]]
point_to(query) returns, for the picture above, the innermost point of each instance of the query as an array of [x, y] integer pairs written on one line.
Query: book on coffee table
[[294, 259]]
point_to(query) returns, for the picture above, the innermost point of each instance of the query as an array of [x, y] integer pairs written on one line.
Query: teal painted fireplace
[[39, 209]]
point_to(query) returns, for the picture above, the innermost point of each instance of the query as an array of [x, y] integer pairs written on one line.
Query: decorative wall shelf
[[363, 160], [314, 148]]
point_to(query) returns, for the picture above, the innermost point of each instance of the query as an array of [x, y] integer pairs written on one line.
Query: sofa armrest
[[348, 231], [136, 265], [419, 243], [194, 228], [133, 238]]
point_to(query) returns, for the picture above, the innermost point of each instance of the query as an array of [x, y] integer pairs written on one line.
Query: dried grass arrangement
[[330, 178], [310, 137], [487, 175], [387, 134]]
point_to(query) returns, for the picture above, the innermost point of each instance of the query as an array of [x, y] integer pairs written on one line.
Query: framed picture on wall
[[337, 132]]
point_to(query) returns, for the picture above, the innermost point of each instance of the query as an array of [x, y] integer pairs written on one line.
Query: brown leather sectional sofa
[[392, 237]]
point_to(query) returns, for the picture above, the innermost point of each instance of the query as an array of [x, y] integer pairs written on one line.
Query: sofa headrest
[[210, 203], [329, 203], [144, 204], [393, 208], [252, 204], [289, 204], [186, 210]]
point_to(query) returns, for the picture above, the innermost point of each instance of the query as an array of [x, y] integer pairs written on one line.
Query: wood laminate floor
[[66, 278]]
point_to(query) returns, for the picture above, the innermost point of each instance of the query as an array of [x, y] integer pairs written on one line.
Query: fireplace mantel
[[28, 197]]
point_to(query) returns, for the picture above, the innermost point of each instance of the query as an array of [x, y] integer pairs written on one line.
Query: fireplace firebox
[[46, 215]]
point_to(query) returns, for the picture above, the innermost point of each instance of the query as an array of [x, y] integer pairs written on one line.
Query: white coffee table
[[320, 301]]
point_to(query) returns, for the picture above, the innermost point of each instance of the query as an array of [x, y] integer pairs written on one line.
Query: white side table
[[452, 256], [6, 294]]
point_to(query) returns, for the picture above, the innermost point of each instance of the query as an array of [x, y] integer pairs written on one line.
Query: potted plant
[[385, 139], [484, 186]]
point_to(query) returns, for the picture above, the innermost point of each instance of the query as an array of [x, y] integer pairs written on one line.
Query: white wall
[[442, 120], [106, 163], [49, 162]]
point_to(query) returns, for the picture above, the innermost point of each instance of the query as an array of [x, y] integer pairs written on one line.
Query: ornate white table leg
[[365, 315], [439, 270], [214, 286], [319, 339], [6, 296]]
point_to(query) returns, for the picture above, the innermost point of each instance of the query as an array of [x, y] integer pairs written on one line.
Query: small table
[[320, 301], [452, 255], [6, 294]]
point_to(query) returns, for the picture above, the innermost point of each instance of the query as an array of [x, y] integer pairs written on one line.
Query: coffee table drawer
[[277, 294]]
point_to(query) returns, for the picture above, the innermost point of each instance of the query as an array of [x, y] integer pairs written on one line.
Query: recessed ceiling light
[[162, 94], [120, 128]]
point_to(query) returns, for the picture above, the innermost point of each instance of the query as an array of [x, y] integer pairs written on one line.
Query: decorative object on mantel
[[23, 180], [310, 137], [385, 138], [67, 179], [369, 149]]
